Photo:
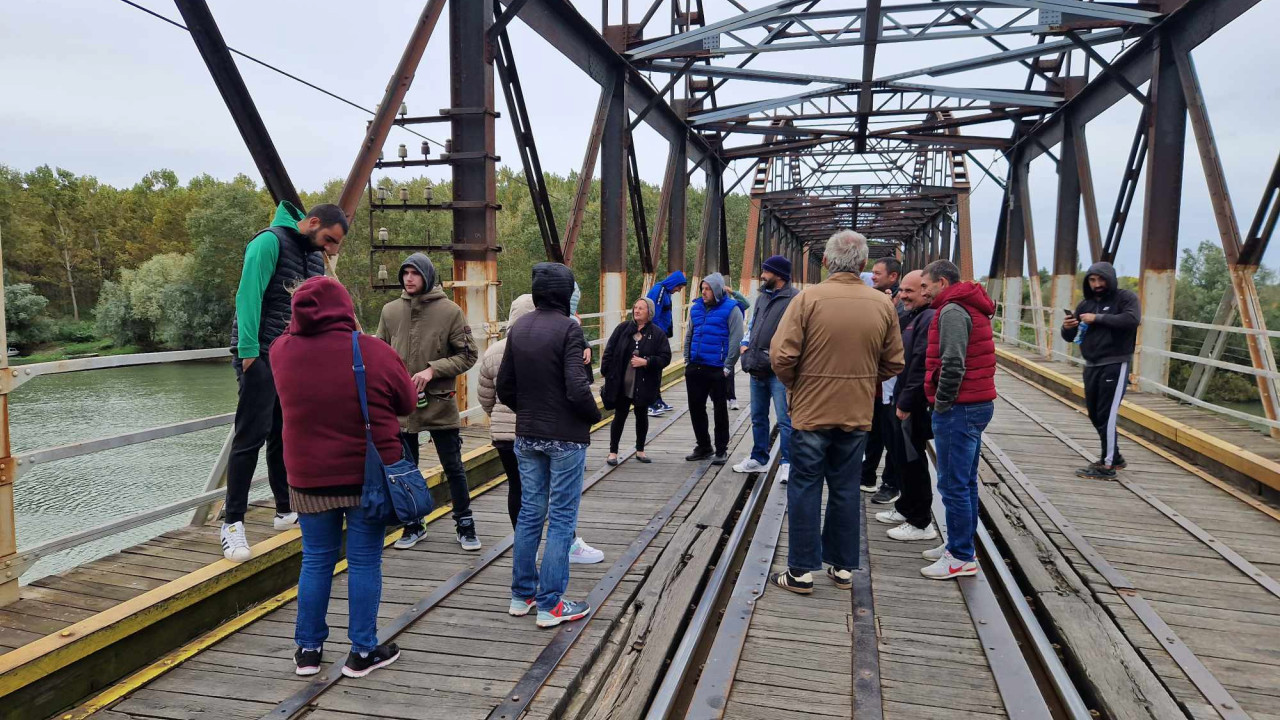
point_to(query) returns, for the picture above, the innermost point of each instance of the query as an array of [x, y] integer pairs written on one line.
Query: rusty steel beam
[[1066, 238], [1033, 265], [226, 76], [1261, 354], [1162, 209], [475, 224], [376, 134], [578, 209], [613, 217]]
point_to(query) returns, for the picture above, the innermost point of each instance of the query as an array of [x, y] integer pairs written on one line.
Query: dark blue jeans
[[551, 485], [764, 392], [835, 455], [321, 544], [957, 436]]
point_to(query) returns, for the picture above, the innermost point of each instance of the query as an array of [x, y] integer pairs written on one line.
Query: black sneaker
[[308, 661], [885, 495], [360, 665], [467, 534], [1096, 472], [698, 454], [867, 488], [1119, 464], [799, 584], [720, 459]]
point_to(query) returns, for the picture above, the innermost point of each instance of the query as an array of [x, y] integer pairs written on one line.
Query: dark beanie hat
[[779, 266]]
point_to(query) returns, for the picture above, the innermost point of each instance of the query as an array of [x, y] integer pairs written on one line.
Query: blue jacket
[[660, 294], [715, 332]]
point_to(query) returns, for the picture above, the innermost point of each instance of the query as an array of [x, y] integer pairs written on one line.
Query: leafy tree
[[25, 323]]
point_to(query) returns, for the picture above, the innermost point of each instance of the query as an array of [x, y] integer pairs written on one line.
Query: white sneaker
[[733, 404], [581, 553], [784, 472], [934, 553], [749, 466], [235, 546], [890, 517], [947, 567], [286, 521], [908, 532]]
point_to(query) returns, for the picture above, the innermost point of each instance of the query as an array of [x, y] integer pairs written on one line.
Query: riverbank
[[52, 352]]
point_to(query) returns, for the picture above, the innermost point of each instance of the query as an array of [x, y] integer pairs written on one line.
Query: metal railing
[[1148, 384]]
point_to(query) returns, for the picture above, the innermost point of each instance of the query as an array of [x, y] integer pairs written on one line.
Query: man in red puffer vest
[[960, 368]]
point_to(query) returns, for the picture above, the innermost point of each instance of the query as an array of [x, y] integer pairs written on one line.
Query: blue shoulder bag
[[395, 493]]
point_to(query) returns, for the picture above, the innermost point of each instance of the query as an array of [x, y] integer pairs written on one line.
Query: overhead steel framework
[[885, 148]]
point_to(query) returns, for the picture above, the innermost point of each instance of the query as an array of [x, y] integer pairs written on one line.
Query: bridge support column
[[676, 237], [944, 253], [9, 571], [749, 276], [613, 220], [1014, 253], [475, 225], [1162, 209], [1066, 233]]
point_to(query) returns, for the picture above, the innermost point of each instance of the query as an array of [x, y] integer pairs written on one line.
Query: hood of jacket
[[1105, 271], [674, 280], [574, 299], [552, 287], [425, 268], [970, 295], [520, 307], [321, 304], [716, 282]]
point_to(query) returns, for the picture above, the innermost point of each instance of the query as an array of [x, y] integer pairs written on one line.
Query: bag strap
[[357, 364]]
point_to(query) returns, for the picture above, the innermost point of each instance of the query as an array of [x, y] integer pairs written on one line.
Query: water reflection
[[69, 495]]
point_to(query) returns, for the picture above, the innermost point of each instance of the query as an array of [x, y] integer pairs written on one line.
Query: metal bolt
[[65, 633]]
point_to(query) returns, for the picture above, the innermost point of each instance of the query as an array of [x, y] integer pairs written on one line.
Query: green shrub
[[162, 305], [70, 331], [25, 323]]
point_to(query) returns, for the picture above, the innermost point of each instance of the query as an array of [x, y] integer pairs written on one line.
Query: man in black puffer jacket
[[276, 261], [1109, 317], [543, 379]]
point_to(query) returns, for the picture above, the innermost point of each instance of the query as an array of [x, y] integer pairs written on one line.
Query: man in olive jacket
[[431, 335]]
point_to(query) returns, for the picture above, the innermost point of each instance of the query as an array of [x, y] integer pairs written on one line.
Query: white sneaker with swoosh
[[947, 567]]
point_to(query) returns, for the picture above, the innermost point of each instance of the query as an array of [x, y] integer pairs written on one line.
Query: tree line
[[156, 265]]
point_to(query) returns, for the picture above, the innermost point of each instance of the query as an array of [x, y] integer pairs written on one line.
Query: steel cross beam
[[222, 67], [568, 32]]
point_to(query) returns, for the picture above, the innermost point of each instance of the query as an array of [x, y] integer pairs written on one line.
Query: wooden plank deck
[[52, 603], [797, 661], [465, 655], [1227, 619]]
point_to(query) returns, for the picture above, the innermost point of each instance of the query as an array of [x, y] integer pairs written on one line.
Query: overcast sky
[[100, 88]]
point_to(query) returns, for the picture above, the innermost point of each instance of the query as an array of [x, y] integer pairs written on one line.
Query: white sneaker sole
[[519, 611], [869, 488], [890, 522], [470, 548], [306, 671], [361, 673], [238, 555], [279, 524], [558, 620], [577, 560], [951, 576]]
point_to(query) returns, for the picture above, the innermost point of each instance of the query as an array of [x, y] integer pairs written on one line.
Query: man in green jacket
[[276, 261], [431, 335]]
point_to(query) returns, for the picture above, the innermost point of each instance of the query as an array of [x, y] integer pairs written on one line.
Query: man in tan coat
[[430, 333], [835, 343]]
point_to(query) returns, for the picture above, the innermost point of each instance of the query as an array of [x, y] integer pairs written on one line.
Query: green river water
[[66, 496]]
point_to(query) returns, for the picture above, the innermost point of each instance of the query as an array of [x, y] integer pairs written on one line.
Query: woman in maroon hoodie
[[324, 450]]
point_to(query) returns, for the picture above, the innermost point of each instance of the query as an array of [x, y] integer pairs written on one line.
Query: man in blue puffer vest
[[711, 348], [661, 294]]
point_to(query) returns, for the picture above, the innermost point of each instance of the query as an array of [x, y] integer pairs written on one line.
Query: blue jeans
[[551, 488], [321, 545], [957, 436], [764, 391], [835, 455]]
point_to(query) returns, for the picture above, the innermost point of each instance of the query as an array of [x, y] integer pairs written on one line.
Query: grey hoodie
[[716, 281], [425, 268]]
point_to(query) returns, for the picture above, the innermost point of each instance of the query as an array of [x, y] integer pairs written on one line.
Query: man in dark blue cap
[[776, 292]]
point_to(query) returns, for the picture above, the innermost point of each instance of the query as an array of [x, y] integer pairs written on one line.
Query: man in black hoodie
[[1107, 322], [543, 379]]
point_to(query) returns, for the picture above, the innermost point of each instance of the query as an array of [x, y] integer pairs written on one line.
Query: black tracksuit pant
[[449, 449], [879, 440], [258, 422], [702, 382], [1103, 392], [916, 499]]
